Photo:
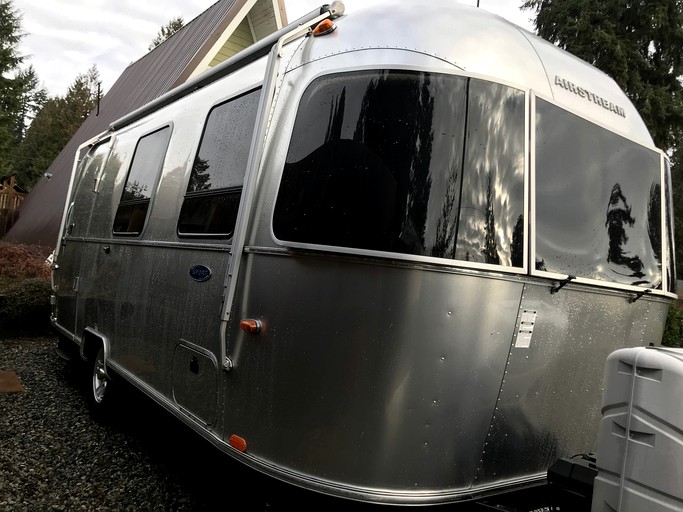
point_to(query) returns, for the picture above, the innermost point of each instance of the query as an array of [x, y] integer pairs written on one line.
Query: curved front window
[[407, 162], [598, 202], [431, 164]]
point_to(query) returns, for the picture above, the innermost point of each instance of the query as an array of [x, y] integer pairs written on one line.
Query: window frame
[[154, 183], [532, 229], [445, 262], [224, 191], [668, 241]]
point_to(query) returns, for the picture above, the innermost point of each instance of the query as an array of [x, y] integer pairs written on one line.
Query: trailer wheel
[[98, 385]]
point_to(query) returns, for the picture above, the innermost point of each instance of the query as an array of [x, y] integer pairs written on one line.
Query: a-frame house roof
[[221, 31]]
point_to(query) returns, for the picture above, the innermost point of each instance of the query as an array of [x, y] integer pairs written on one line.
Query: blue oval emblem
[[200, 273]]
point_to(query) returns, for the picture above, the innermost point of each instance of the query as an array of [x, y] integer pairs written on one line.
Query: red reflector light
[[324, 27], [250, 326], [238, 443]]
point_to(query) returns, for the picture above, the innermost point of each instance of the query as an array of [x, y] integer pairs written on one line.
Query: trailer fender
[[90, 344]]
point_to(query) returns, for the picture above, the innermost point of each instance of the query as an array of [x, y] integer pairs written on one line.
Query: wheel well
[[91, 343]]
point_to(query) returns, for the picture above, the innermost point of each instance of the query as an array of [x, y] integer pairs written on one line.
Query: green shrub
[[24, 289], [673, 332], [25, 307]]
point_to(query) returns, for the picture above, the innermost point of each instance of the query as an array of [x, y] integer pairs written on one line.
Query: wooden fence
[[11, 197]]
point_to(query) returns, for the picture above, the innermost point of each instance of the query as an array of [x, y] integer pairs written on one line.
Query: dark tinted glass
[[598, 202], [147, 160], [144, 170], [210, 214], [406, 162], [213, 192], [130, 218], [222, 157], [491, 221]]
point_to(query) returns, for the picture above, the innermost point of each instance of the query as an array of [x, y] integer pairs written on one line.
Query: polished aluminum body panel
[[430, 388], [381, 378], [389, 393], [547, 383]]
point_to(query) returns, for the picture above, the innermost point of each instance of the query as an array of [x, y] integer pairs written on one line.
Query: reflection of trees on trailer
[[385, 264]]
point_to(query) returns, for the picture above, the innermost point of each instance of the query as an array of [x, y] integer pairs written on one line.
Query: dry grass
[[19, 261]]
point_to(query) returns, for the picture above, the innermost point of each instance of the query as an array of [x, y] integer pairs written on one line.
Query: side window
[[137, 192], [598, 202], [213, 193]]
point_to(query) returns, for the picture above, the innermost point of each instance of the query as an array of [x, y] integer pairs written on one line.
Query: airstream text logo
[[584, 93]]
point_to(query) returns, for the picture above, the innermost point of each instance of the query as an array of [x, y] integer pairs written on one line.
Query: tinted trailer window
[[407, 162], [598, 202]]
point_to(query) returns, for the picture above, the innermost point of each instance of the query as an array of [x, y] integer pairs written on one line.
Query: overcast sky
[[64, 38]]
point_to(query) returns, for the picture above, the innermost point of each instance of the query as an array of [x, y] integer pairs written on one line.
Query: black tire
[[98, 386]]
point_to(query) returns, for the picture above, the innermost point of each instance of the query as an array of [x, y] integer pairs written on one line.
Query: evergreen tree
[[167, 31], [10, 86], [54, 125], [81, 99], [640, 45], [20, 94], [43, 142], [32, 99]]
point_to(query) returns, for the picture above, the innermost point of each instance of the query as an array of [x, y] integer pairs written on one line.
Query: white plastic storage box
[[639, 448]]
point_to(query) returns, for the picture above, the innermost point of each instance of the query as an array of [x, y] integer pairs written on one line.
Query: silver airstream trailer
[[384, 261]]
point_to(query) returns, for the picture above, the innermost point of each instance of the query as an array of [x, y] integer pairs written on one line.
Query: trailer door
[[68, 269]]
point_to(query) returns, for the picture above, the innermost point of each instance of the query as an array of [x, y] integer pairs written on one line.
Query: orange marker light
[[250, 326], [323, 28], [238, 443]]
